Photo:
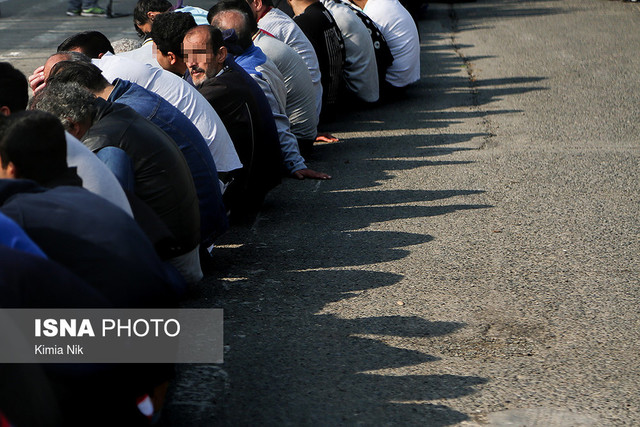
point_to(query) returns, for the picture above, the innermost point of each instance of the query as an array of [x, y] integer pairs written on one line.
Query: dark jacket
[[322, 31], [245, 112], [162, 177], [12, 236], [213, 216], [92, 238]]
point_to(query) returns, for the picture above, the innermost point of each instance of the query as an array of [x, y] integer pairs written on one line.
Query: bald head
[[53, 60], [237, 20], [75, 56]]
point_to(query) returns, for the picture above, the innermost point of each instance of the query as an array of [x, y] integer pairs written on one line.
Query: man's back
[[92, 238], [301, 107], [162, 177], [360, 69], [283, 27], [255, 135], [181, 95], [323, 33], [96, 176], [213, 219], [398, 27], [264, 73]]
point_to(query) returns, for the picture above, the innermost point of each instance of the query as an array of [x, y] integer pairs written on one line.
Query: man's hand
[[311, 174], [36, 80], [326, 137]]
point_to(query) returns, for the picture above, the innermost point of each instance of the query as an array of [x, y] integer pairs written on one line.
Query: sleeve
[[293, 161]]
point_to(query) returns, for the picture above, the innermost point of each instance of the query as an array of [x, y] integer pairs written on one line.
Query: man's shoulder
[[381, 10], [314, 19], [32, 196], [113, 124], [128, 89], [227, 85], [276, 15]]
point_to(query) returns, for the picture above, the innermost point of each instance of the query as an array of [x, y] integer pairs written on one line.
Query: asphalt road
[[474, 261]]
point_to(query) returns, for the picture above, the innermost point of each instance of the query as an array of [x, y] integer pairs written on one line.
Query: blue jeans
[[120, 165], [82, 4]]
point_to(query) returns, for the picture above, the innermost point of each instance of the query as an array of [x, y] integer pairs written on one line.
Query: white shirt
[[397, 26], [281, 26], [360, 69], [184, 97], [301, 102], [199, 14], [96, 176], [272, 84], [145, 54]]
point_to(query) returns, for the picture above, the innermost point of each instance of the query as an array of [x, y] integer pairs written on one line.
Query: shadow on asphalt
[[290, 360]]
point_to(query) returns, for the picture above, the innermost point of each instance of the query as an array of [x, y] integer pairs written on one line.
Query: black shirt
[[321, 29]]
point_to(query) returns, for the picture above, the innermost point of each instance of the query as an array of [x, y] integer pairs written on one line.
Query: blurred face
[[201, 61]]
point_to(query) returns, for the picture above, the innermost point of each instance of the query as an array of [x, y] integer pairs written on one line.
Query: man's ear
[[172, 58], [152, 15], [5, 111], [12, 171], [9, 172], [221, 55]]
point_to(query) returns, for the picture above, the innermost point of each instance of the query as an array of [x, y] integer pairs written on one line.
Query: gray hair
[[125, 45], [69, 102]]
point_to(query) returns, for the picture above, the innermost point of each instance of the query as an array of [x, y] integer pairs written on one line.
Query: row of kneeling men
[[124, 167]]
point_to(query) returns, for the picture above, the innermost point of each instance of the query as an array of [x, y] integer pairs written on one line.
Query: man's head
[[94, 44], [125, 45], [167, 33], [32, 146], [63, 56], [14, 90], [236, 15], [73, 105], [85, 74], [259, 7], [203, 52], [145, 13]]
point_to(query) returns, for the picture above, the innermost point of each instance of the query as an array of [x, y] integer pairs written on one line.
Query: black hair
[[215, 41], [92, 43], [34, 141], [169, 30], [14, 88], [249, 27], [73, 56], [143, 7], [85, 74]]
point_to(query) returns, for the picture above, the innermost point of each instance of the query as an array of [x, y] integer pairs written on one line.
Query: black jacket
[[162, 177], [94, 239], [245, 112]]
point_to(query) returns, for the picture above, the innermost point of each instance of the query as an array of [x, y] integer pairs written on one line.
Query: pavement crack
[[488, 128]]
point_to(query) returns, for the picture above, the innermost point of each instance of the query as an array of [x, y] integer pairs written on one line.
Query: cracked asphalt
[[474, 261]]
